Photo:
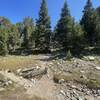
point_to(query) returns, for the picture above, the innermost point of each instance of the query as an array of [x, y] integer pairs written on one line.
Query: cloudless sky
[[16, 10]]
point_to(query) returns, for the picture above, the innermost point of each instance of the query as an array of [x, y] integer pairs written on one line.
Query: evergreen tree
[[3, 45], [86, 22], [25, 42], [98, 10], [27, 31], [5, 26], [43, 28], [13, 38], [64, 28], [96, 27], [78, 40]]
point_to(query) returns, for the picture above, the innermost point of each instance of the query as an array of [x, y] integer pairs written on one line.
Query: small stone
[[88, 92], [61, 81], [98, 68], [68, 94], [6, 83], [19, 70], [74, 92], [98, 92], [37, 67], [94, 91], [73, 86], [62, 92], [83, 76], [91, 58], [82, 71], [10, 82], [80, 98], [8, 71], [33, 81]]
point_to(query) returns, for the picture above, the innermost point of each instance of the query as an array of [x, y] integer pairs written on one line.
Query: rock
[[94, 91], [61, 81], [82, 71], [91, 58], [6, 83], [98, 92], [19, 70], [8, 71], [98, 68], [33, 80], [83, 76], [74, 92], [80, 98], [73, 86], [88, 92], [68, 94], [62, 92], [37, 67], [10, 82]]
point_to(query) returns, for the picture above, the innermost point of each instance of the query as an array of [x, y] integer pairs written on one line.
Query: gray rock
[[83, 76], [10, 82], [80, 98], [62, 92], [8, 71], [61, 81], [19, 70], [97, 67], [73, 86], [98, 92]]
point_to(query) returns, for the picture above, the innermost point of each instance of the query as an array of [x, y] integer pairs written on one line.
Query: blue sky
[[16, 10]]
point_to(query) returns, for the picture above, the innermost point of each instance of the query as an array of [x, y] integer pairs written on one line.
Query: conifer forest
[[42, 62]]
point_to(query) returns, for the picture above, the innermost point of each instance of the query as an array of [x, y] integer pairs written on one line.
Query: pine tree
[[3, 45], [78, 40], [25, 42], [64, 28], [98, 10], [13, 38], [27, 31], [5, 27], [43, 28], [96, 26], [86, 22]]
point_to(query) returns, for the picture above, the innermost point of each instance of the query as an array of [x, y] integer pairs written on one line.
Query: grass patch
[[75, 77], [91, 84], [15, 62], [66, 76], [95, 84]]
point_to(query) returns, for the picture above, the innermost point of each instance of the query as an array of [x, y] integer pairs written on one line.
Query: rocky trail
[[44, 86]]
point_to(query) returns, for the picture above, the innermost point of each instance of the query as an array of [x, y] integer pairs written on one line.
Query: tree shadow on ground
[[57, 54], [61, 54]]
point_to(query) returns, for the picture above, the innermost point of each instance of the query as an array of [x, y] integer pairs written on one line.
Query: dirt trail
[[44, 88]]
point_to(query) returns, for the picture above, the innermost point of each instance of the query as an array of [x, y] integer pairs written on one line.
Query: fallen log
[[33, 72], [27, 70]]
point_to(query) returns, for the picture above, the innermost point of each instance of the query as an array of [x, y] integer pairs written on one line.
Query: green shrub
[[69, 55]]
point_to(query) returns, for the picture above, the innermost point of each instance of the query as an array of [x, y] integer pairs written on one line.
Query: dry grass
[[15, 62], [92, 81]]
